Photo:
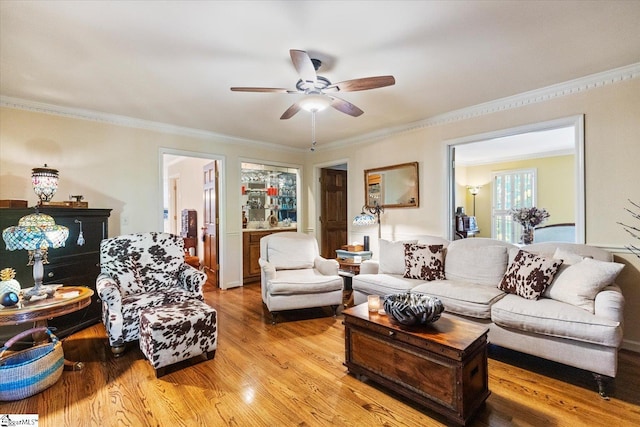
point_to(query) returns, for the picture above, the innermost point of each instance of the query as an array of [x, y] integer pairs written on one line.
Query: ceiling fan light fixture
[[315, 102]]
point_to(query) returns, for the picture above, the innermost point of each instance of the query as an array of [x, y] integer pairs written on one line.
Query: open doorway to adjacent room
[[188, 204], [540, 165]]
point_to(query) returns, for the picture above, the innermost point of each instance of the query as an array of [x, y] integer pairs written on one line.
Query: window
[[511, 189]]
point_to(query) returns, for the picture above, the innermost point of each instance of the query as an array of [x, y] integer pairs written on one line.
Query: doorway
[[183, 190], [494, 150], [333, 210]]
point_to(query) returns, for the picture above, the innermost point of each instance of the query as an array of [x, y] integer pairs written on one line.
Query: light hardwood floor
[[291, 374]]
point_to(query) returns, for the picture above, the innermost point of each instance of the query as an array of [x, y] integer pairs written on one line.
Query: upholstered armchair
[[294, 275], [140, 271]]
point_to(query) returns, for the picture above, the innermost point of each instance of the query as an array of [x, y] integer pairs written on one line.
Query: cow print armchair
[[140, 271]]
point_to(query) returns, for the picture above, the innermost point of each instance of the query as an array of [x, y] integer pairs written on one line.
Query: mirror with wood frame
[[392, 186]]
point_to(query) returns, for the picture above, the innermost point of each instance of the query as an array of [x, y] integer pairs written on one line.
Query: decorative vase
[[7, 282], [527, 235]]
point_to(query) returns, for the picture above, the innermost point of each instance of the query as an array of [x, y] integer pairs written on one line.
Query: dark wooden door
[[333, 211], [210, 228]]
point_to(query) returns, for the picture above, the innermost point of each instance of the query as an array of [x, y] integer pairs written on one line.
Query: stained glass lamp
[[36, 233], [368, 218]]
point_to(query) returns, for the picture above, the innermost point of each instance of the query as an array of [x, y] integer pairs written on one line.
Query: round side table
[[66, 299]]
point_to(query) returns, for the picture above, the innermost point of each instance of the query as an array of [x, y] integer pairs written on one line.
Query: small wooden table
[[347, 268], [442, 365], [67, 299], [348, 265]]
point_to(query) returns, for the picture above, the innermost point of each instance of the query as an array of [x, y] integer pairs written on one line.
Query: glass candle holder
[[373, 302]]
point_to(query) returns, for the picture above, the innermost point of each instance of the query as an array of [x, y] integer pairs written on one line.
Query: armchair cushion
[[307, 281], [142, 262], [289, 251]]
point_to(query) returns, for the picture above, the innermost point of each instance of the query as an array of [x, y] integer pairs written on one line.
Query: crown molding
[[570, 87], [544, 94], [118, 120]]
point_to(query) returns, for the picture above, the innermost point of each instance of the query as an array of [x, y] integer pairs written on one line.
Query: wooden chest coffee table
[[442, 366]]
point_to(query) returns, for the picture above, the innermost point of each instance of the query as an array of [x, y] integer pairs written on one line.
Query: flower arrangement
[[529, 217]]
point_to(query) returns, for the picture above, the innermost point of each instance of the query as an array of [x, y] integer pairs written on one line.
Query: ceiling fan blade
[[262, 89], [364, 83], [291, 111], [304, 66], [345, 107]]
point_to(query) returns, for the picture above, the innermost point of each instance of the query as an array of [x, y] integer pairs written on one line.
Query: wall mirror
[[392, 186]]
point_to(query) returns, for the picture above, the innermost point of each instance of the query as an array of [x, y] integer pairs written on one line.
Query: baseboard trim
[[631, 345]]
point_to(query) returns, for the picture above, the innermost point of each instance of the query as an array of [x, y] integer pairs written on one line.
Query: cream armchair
[[294, 275], [139, 271]]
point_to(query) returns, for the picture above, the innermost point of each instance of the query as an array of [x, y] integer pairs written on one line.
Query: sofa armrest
[[609, 303], [369, 266], [192, 279], [327, 267], [109, 292], [268, 270]]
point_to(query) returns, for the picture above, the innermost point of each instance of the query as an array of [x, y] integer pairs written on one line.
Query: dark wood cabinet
[[72, 264], [251, 253]]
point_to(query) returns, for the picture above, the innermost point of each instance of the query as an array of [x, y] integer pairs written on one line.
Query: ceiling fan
[[318, 89]]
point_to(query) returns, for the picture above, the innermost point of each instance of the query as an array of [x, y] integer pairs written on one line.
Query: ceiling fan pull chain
[[313, 130]]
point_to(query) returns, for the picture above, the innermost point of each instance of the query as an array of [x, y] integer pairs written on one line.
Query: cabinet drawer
[[78, 271], [255, 237]]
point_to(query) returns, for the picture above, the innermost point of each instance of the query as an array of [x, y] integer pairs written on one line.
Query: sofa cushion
[[579, 284], [307, 281], [290, 251], [529, 275], [478, 262], [392, 256], [554, 318], [463, 298], [383, 284], [424, 262], [568, 259]]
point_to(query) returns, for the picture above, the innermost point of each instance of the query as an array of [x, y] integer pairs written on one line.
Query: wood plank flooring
[[291, 374]]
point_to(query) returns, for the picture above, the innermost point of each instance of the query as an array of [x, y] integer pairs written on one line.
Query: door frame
[[301, 211], [222, 199], [317, 188]]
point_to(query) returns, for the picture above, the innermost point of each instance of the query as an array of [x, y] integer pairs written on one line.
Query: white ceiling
[[173, 62], [552, 142]]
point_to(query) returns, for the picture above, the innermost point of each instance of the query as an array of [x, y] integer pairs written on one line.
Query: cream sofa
[[576, 321]]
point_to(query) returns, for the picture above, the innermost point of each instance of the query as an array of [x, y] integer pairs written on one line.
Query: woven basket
[[28, 372]]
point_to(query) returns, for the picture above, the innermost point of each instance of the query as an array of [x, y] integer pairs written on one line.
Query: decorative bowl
[[412, 309]]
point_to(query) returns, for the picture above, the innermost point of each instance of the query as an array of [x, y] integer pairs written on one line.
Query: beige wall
[[612, 150], [118, 167], [556, 188]]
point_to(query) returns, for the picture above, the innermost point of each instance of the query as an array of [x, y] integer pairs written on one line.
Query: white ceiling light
[[315, 102]]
